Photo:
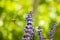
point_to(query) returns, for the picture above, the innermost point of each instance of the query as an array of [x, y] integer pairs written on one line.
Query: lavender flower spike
[[52, 30], [29, 28], [40, 33]]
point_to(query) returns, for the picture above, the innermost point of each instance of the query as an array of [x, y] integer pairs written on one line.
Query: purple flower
[[30, 15], [40, 33], [30, 31], [27, 37], [29, 28], [52, 30], [30, 21]]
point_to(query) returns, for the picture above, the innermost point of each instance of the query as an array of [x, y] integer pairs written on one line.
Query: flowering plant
[[30, 30]]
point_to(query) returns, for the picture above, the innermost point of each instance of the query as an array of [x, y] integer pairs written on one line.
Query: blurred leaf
[[1, 10]]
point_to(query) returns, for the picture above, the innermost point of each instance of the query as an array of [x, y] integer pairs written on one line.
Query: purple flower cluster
[[30, 31], [52, 30], [40, 33]]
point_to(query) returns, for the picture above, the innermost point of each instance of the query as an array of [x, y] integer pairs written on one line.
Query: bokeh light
[[13, 15]]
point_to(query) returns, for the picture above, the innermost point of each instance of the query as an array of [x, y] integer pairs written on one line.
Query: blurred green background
[[13, 15]]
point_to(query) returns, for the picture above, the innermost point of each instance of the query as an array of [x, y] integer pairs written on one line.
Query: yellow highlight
[[58, 7], [53, 3], [1, 23], [10, 36], [2, 3], [42, 8], [10, 5]]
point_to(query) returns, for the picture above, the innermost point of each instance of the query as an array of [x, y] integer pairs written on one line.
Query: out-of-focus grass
[[13, 15]]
